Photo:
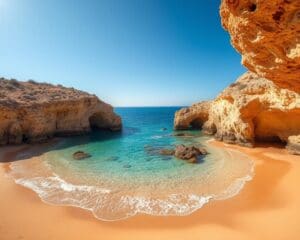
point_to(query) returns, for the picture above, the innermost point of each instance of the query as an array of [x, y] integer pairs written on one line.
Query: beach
[[268, 207]]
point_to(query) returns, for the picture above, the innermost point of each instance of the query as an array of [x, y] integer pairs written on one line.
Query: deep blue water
[[126, 175]]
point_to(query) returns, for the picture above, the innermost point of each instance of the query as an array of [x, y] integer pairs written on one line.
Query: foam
[[110, 205]]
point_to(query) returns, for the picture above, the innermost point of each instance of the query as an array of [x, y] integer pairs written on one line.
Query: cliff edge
[[264, 103], [32, 112]]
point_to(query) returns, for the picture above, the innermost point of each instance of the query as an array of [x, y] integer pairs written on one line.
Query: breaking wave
[[111, 197]]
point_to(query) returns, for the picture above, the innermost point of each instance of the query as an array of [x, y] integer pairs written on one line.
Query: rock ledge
[[33, 112]]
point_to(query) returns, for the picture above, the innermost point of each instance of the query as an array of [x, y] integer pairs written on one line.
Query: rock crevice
[[264, 103]]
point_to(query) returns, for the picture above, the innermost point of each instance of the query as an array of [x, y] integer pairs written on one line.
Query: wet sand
[[268, 207]]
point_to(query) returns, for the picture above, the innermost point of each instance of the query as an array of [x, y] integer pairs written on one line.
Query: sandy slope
[[267, 208]]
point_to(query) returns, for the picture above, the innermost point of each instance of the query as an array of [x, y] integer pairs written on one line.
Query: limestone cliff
[[263, 104], [31, 112], [267, 34], [254, 109], [193, 116], [249, 110]]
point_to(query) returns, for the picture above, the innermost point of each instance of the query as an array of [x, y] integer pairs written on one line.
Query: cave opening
[[252, 7], [97, 121], [196, 123], [25, 138]]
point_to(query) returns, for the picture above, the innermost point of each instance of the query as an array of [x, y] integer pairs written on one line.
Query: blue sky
[[128, 52]]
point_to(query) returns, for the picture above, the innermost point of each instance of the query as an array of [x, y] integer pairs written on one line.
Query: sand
[[268, 207]]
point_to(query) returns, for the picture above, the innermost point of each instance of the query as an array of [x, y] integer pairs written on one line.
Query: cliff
[[192, 117], [251, 109], [266, 33], [254, 109], [31, 112], [263, 104]]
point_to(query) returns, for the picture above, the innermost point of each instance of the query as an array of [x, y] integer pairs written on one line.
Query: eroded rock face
[[192, 117], [189, 153], [250, 110], [267, 34], [293, 145], [254, 109], [31, 112], [263, 104]]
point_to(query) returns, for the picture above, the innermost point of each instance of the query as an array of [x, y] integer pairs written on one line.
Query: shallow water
[[126, 175]]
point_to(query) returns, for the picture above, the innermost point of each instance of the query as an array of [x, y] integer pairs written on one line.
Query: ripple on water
[[111, 191]]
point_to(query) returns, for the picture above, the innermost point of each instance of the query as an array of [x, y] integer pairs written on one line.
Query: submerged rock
[[183, 135], [167, 152], [80, 155], [112, 158]]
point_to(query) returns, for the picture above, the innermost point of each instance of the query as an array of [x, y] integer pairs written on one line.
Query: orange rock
[[31, 111], [249, 110], [193, 116], [267, 34], [259, 111]]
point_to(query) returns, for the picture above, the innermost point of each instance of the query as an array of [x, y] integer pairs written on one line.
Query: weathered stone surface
[[190, 153], [31, 112], [192, 117], [267, 34], [80, 155], [293, 145], [254, 109], [264, 104], [167, 152]]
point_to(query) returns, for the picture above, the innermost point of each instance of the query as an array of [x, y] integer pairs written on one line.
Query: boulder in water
[[79, 155], [190, 153]]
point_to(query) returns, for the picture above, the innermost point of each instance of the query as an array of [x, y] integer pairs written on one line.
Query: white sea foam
[[109, 205]]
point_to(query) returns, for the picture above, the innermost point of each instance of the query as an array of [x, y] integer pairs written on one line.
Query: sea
[[126, 175]]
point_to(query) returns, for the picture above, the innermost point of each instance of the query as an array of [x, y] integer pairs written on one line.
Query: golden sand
[[268, 207]]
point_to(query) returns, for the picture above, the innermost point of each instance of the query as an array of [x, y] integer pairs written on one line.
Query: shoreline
[[275, 170], [35, 153]]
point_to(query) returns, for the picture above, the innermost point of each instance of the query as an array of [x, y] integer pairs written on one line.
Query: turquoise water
[[126, 175]]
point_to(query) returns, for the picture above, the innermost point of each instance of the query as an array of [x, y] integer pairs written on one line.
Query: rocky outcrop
[[192, 117], [80, 155], [31, 112], [263, 104], [189, 153], [266, 33], [293, 145], [254, 109]]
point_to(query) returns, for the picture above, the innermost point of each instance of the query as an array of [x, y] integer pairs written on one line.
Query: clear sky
[[128, 52]]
